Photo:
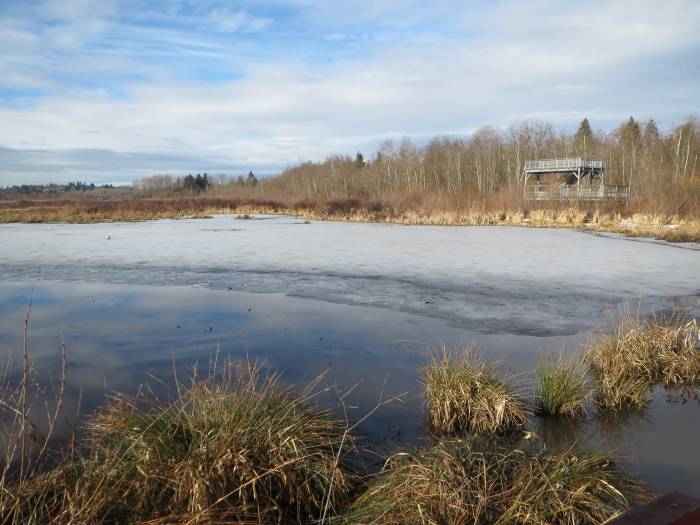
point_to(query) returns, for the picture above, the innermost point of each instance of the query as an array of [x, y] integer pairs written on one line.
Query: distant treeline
[[484, 170], [23, 190], [662, 169], [655, 165], [191, 183]]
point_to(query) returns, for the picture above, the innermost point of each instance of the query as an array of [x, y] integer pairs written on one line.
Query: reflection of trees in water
[[618, 428], [560, 433]]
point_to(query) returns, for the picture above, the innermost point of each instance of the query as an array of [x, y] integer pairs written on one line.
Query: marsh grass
[[673, 228], [238, 449], [562, 386], [464, 393], [481, 482], [640, 352]]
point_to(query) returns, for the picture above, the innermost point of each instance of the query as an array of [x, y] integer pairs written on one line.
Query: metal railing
[[542, 192], [563, 164]]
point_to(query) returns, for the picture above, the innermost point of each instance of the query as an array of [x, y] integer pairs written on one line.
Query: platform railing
[[543, 192], [563, 164]]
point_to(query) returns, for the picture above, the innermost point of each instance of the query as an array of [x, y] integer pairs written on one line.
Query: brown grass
[[465, 394], [480, 482], [672, 228], [638, 353], [242, 449], [562, 386]]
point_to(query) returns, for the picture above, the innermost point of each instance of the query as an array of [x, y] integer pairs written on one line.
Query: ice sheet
[[494, 279]]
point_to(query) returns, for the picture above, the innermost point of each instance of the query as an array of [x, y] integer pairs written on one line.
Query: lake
[[360, 303]]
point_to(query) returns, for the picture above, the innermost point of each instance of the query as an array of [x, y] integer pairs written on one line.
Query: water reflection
[[120, 337]]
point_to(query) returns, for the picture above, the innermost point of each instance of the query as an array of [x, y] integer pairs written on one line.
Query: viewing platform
[[564, 165], [569, 179]]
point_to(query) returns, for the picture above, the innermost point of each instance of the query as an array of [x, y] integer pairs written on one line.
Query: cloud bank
[[109, 91]]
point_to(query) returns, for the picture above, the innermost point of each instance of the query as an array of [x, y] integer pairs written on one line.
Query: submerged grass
[[562, 386], [243, 450], [480, 482], [465, 394], [638, 353]]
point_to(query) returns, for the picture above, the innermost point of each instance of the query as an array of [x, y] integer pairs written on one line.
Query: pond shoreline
[[675, 229]]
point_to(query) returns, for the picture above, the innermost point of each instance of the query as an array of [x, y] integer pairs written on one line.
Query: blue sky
[[110, 90]]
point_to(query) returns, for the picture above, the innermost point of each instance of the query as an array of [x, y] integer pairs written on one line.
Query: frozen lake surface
[[360, 302], [491, 279]]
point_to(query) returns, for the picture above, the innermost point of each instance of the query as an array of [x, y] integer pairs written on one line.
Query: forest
[[660, 168]]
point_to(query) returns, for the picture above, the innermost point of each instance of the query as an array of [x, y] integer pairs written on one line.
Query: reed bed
[[465, 394], [638, 353], [673, 228], [481, 482], [562, 386], [240, 450]]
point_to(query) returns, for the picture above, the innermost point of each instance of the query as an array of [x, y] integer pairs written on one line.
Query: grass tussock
[[465, 394], [638, 353], [562, 386], [480, 482], [242, 450]]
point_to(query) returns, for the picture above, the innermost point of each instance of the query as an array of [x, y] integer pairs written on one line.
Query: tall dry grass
[[670, 227], [482, 482], [466, 394], [639, 352], [238, 449], [562, 385]]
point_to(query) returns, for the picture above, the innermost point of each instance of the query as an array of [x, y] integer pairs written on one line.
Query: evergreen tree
[[583, 139], [252, 181], [651, 133], [359, 161], [630, 133]]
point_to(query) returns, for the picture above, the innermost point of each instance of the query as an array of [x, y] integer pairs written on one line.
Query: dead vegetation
[[482, 482], [240, 447], [562, 386], [234, 447], [464, 394], [673, 228], [637, 353]]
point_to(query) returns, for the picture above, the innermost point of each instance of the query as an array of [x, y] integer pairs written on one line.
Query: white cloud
[[227, 21], [604, 60]]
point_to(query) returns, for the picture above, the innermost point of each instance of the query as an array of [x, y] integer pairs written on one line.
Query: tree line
[[191, 183], [637, 154], [661, 168], [52, 189]]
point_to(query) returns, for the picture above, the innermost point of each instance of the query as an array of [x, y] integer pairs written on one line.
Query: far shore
[[670, 228]]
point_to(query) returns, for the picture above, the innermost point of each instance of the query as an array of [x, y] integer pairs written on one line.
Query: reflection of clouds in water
[[121, 336]]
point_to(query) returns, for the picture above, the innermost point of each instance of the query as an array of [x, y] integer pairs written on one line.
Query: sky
[[108, 91]]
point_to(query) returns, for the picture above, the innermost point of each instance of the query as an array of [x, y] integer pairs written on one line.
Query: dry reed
[[562, 386], [242, 449], [480, 482], [465, 394], [638, 353]]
